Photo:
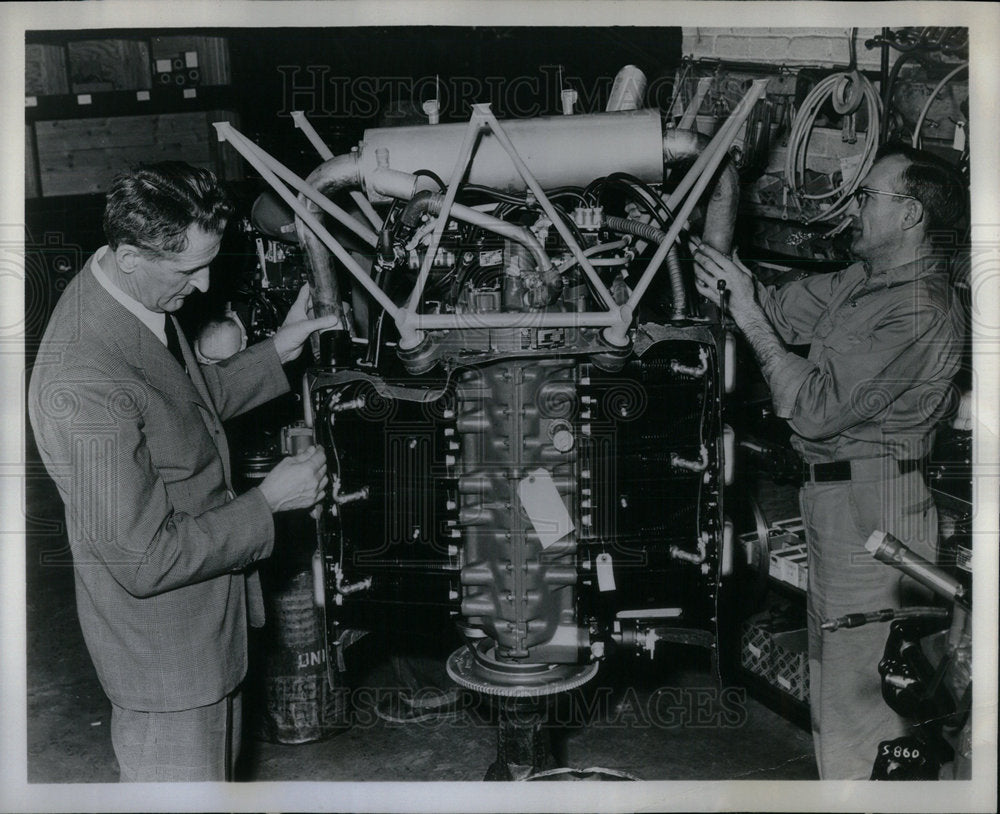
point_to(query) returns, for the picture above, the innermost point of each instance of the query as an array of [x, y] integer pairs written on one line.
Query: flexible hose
[[890, 83], [798, 139], [678, 308], [635, 227], [927, 106]]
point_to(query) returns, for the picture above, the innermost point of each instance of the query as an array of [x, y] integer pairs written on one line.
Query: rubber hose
[[798, 138], [678, 307], [651, 233], [930, 100], [635, 227], [415, 208], [890, 83]]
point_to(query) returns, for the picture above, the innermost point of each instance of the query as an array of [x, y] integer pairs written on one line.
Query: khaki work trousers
[[849, 716]]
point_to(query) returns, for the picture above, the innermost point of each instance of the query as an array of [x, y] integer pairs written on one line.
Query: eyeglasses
[[861, 192]]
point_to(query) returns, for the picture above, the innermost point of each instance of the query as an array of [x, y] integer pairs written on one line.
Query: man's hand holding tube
[[297, 482], [298, 326], [711, 267]]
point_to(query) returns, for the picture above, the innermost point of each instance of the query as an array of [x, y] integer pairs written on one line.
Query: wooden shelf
[[81, 156], [129, 102]]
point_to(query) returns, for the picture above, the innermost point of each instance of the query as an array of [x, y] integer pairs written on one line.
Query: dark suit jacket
[[159, 539]]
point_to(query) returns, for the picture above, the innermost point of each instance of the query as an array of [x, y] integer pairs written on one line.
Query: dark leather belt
[[841, 470]]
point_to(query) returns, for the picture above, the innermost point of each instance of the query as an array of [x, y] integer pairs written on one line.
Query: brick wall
[[826, 47]]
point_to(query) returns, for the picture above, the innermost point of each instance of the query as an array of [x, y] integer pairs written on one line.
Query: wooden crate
[[105, 65], [212, 56], [82, 156], [45, 70]]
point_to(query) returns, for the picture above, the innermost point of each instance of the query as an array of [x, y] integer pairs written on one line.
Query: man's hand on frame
[[299, 325]]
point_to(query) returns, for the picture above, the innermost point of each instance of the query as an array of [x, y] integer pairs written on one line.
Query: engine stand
[[524, 746]]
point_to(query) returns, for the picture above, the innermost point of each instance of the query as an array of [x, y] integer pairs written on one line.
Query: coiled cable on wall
[[887, 93], [930, 100], [832, 88]]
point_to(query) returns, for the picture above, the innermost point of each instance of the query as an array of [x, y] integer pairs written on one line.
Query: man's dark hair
[[932, 181], [153, 205]]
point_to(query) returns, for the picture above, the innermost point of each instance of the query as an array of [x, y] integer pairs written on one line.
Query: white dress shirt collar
[[151, 319]]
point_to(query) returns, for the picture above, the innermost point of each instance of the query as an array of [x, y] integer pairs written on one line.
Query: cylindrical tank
[[294, 694], [558, 150]]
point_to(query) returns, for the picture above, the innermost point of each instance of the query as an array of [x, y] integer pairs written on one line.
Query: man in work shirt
[[885, 337]]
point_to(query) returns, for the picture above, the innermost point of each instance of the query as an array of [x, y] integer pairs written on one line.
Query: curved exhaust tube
[[333, 175], [720, 215]]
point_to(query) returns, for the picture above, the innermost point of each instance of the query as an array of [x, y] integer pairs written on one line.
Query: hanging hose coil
[[835, 87], [930, 100]]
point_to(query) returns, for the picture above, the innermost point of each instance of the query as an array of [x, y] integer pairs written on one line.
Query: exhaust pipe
[[333, 175]]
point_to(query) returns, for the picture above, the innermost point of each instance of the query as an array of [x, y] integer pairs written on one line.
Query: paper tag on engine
[[958, 140], [545, 507], [605, 573]]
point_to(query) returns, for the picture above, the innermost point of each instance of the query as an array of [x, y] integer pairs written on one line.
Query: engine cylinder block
[[517, 581], [547, 510]]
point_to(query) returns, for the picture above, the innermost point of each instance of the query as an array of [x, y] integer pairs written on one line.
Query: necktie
[[173, 343]]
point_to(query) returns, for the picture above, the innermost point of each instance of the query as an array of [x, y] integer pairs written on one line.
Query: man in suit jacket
[[161, 544]]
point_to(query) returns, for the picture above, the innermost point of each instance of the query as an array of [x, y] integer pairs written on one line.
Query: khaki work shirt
[[883, 350]]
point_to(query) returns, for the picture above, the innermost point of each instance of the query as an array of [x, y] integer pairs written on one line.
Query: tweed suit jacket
[[160, 542]]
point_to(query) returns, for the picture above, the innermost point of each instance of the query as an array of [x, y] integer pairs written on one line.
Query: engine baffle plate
[[483, 672]]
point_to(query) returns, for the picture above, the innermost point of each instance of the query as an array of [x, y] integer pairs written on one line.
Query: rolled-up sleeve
[[860, 375], [795, 308], [789, 376]]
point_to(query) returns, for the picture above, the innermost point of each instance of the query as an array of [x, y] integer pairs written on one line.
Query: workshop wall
[[789, 46], [94, 104], [798, 125]]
